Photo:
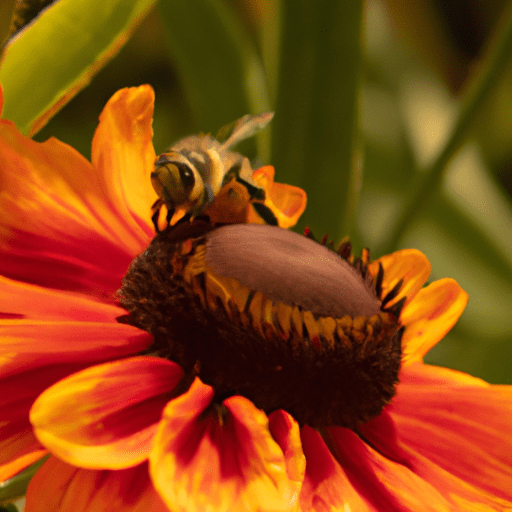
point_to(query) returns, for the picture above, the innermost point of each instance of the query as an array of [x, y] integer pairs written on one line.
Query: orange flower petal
[[51, 233], [16, 466], [286, 201], [16, 435], [462, 426], [22, 300], [29, 344], [326, 486], [382, 434], [218, 458], [105, 417], [59, 487], [385, 484], [431, 314], [123, 154], [17, 440], [408, 264], [42, 352], [59, 227]]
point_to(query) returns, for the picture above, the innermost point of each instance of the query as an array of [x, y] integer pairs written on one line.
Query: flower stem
[[496, 58]]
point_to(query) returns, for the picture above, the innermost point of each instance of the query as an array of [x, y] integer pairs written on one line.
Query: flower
[[132, 430]]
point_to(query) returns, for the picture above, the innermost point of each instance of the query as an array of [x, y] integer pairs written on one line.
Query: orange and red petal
[[34, 354], [459, 424], [17, 396], [286, 433], [28, 345], [446, 439], [385, 483], [60, 487], [55, 227], [429, 316], [22, 300], [218, 457], [124, 157], [326, 486], [105, 417], [409, 265], [58, 225]]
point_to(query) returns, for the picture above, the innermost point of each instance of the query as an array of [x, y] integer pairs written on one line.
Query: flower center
[[271, 315]]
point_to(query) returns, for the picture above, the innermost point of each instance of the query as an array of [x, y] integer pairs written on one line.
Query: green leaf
[[217, 61], [493, 65], [55, 57], [17, 485], [315, 129]]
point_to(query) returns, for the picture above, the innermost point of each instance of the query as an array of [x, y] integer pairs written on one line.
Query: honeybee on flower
[[190, 174]]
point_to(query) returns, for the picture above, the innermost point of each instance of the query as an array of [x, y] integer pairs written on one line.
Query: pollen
[[262, 312]]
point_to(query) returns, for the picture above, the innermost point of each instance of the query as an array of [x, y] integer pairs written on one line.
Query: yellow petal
[[429, 316], [105, 417], [286, 201], [123, 154], [409, 265]]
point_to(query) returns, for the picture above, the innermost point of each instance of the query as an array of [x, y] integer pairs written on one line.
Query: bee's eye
[[187, 177]]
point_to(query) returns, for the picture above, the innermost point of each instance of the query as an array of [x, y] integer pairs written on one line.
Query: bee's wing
[[243, 128]]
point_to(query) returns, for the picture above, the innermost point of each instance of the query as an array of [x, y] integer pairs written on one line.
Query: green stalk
[[495, 61]]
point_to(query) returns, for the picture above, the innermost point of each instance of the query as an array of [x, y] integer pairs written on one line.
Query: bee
[[189, 175]]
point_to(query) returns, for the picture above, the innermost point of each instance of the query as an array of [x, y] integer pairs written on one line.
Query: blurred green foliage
[[366, 96]]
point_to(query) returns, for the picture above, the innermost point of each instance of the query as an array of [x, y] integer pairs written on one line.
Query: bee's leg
[[155, 208], [265, 213]]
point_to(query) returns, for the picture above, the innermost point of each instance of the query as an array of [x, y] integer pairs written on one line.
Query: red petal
[[123, 154], [22, 300], [35, 354], [105, 416], [457, 423], [326, 486], [16, 398], [408, 264], [286, 433], [385, 484], [59, 487], [58, 227], [428, 317], [29, 344], [218, 458]]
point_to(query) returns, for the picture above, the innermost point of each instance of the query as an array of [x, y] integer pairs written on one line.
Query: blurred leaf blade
[[315, 133], [62, 50], [492, 67], [17, 485], [218, 63]]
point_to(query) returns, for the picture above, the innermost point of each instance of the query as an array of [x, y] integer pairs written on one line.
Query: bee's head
[[177, 181]]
